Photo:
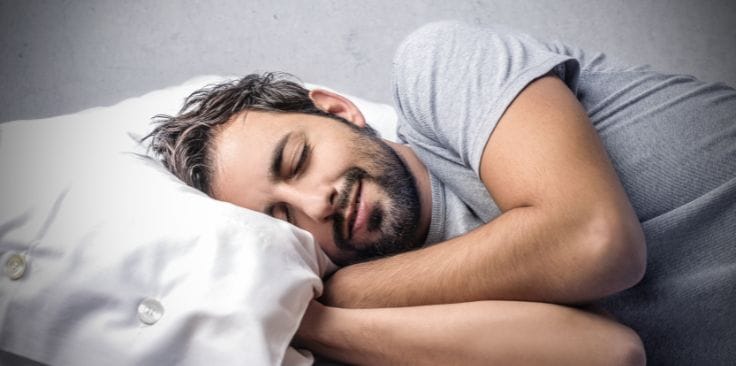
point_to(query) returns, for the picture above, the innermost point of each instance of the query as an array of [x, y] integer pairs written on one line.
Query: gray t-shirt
[[672, 141]]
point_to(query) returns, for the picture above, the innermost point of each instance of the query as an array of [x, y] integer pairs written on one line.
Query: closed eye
[[302, 162]]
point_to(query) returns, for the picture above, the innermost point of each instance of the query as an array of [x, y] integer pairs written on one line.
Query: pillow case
[[109, 259]]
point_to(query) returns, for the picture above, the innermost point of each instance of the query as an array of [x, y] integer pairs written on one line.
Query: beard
[[395, 218]]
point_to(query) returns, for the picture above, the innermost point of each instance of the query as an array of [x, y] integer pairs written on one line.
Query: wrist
[[325, 330]]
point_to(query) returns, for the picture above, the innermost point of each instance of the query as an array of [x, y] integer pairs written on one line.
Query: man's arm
[[477, 333], [567, 232]]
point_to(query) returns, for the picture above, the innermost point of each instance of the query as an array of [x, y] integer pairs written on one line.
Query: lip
[[361, 213], [351, 213]]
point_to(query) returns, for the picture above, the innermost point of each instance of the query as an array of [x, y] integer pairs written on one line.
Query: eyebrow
[[277, 158]]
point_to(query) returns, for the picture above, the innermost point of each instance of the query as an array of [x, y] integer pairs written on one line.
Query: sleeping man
[[537, 194]]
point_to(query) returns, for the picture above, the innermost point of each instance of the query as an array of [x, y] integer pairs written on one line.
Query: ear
[[334, 103]]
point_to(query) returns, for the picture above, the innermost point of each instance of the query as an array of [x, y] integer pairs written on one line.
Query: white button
[[150, 311], [15, 267]]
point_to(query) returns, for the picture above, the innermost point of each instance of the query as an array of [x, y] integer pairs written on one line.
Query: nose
[[316, 202]]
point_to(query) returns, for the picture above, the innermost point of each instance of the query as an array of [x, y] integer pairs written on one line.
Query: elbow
[[628, 350], [619, 252], [635, 356]]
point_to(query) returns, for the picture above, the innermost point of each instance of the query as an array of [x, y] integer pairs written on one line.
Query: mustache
[[352, 177]]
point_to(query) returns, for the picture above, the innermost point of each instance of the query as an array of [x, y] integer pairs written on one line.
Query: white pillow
[[109, 259]]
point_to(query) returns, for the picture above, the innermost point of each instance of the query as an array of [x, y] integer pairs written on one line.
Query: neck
[[421, 176]]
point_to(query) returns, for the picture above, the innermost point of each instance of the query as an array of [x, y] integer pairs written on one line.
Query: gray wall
[[63, 56]]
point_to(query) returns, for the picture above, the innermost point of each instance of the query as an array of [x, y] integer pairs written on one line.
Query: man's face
[[346, 187]]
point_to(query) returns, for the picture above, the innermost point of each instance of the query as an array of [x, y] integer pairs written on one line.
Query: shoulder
[[429, 34], [442, 38], [447, 53], [437, 59], [453, 81]]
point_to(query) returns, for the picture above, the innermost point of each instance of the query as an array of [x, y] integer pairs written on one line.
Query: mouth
[[353, 217]]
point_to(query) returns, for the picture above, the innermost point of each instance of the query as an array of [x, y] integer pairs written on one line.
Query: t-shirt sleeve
[[453, 82]]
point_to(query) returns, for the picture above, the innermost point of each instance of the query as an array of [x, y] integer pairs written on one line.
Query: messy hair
[[184, 142]]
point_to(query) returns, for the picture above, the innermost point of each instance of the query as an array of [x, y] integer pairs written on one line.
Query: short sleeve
[[453, 82]]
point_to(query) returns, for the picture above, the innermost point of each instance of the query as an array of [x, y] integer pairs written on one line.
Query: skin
[[473, 333], [567, 235]]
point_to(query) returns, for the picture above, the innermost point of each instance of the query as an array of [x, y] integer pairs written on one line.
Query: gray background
[[59, 57]]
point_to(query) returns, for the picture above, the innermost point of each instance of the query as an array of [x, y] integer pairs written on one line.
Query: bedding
[[109, 259]]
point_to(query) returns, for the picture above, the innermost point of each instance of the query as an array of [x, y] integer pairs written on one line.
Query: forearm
[[525, 254], [488, 332]]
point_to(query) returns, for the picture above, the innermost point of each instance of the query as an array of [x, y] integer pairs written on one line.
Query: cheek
[[367, 155], [337, 157], [373, 193]]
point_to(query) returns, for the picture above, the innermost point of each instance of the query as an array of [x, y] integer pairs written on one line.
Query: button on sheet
[[150, 311], [15, 266]]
